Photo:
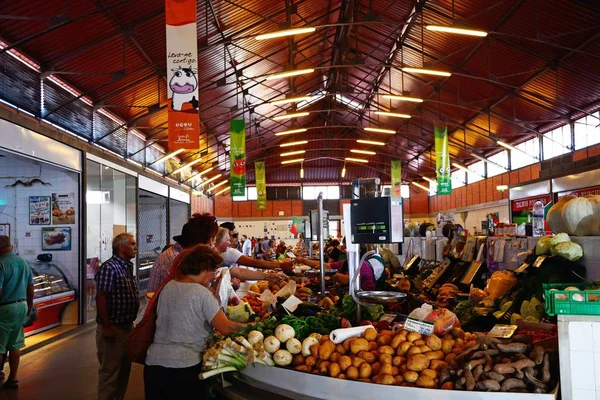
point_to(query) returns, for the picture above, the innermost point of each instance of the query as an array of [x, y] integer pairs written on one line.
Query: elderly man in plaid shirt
[[117, 302]]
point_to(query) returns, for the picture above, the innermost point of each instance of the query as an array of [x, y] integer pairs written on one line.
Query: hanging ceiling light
[[421, 186], [217, 185], [302, 171], [428, 179], [380, 130], [485, 160], [287, 74], [199, 174], [370, 153], [289, 132], [293, 115], [458, 31], [293, 161], [210, 180], [426, 71], [196, 161], [167, 156], [293, 143], [223, 190], [373, 142], [513, 148], [291, 153], [402, 98], [344, 170], [290, 100], [358, 160], [392, 114], [286, 32]]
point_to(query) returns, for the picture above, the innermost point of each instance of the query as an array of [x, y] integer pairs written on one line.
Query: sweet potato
[[546, 369], [488, 385], [518, 365], [470, 380], [537, 354], [477, 372], [495, 376], [417, 362], [512, 383], [535, 382], [504, 369], [512, 347], [473, 363]]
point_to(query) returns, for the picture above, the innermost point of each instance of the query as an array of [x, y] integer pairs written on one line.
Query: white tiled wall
[[14, 168]]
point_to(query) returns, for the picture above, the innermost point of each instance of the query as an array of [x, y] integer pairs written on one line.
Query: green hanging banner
[[396, 177], [237, 157], [442, 160], [261, 185]]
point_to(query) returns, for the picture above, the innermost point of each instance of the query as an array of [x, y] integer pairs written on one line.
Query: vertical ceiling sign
[[442, 160], [182, 74], [237, 157], [396, 177], [261, 185]]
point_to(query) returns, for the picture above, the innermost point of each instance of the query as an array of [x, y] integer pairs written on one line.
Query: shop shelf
[[560, 301]]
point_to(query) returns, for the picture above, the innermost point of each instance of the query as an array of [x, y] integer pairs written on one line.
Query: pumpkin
[[578, 216], [554, 216], [595, 225]]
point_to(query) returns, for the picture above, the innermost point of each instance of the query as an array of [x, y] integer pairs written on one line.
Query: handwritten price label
[[416, 325]]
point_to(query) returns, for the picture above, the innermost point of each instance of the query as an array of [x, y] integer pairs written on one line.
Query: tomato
[[239, 165]]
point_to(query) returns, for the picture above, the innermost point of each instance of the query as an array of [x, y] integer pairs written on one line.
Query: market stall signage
[[182, 74], [591, 191], [522, 207], [261, 185], [538, 261], [522, 268], [420, 326], [237, 157], [442, 160], [503, 331], [396, 177]]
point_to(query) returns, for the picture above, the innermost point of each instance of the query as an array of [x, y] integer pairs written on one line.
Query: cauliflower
[[569, 250], [559, 238], [543, 246]]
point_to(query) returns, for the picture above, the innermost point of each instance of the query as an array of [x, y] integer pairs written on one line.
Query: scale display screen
[[376, 220], [378, 227]]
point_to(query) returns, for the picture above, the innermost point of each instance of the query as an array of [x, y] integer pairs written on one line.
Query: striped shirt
[[162, 267], [115, 277]]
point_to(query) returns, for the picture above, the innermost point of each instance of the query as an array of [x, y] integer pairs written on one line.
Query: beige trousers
[[113, 374]]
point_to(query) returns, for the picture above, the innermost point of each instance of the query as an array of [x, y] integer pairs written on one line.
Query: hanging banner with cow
[[237, 157], [261, 185], [396, 176], [182, 74], [442, 159]]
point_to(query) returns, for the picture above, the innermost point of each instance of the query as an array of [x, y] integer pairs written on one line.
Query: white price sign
[[417, 325]]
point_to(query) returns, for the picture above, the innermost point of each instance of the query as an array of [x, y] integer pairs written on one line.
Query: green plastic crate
[[589, 306]]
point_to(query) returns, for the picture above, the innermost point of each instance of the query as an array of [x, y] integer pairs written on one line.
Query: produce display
[[579, 216]]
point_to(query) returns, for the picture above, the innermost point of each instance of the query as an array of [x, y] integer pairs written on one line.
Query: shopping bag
[[30, 318]]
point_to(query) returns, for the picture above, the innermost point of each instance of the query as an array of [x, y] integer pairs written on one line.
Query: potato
[[430, 373], [346, 343], [298, 359], [397, 340], [434, 355], [375, 367], [386, 350], [370, 334], [375, 353], [323, 339], [412, 351], [448, 385], [419, 342], [396, 371], [345, 362], [398, 361], [386, 379], [412, 336], [447, 336], [399, 379], [341, 376], [311, 361], [367, 356], [334, 370], [459, 342], [314, 350], [316, 372], [403, 368], [339, 348], [365, 371], [357, 362], [447, 345], [386, 369], [433, 342], [410, 376], [327, 348], [334, 357], [359, 345], [365, 380], [352, 373], [424, 349], [324, 367], [383, 340], [457, 333], [373, 346], [302, 368], [403, 349], [417, 362], [438, 365], [425, 381], [385, 358], [450, 358]]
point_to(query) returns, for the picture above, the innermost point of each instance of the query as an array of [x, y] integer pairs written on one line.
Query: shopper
[[16, 301], [264, 248], [201, 228], [187, 313], [246, 246], [117, 302]]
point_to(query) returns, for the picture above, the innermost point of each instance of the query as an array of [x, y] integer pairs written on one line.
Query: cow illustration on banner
[[182, 74]]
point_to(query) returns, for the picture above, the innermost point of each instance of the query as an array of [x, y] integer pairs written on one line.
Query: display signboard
[[590, 191], [519, 209]]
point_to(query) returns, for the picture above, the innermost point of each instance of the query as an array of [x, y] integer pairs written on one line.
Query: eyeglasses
[[234, 235]]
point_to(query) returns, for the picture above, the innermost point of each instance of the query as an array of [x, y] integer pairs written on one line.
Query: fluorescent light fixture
[[293, 115], [210, 180], [428, 179], [301, 172], [290, 100], [287, 74], [287, 32], [421, 186], [223, 190], [293, 143], [135, 163], [402, 98], [344, 171], [187, 165], [460, 166], [167, 156], [370, 153], [373, 142], [392, 114], [508, 146], [295, 160], [291, 153], [218, 184], [358, 160], [199, 174], [485, 160], [289, 132], [458, 31], [380, 130], [426, 71]]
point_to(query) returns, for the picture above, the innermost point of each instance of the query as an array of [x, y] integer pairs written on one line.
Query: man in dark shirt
[[117, 302]]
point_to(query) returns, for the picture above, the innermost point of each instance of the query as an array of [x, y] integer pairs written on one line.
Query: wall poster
[[39, 210], [56, 239], [63, 209]]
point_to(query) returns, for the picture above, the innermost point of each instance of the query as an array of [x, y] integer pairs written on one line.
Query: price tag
[[503, 331], [291, 303], [522, 268], [538, 261], [417, 325], [388, 317]]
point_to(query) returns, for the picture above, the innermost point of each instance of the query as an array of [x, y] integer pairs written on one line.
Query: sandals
[[10, 384]]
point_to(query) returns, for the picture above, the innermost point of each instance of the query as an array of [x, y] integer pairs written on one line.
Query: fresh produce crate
[[571, 302]]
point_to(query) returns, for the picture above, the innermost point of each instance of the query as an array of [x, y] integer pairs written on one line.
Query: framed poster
[[5, 230], [56, 239], [63, 209], [39, 210]]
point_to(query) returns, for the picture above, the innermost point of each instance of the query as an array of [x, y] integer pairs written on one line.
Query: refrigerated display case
[[153, 234], [52, 292]]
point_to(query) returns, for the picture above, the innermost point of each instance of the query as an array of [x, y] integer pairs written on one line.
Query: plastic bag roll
[[339, 335]]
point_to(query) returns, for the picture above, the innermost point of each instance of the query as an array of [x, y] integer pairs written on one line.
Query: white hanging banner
[[182, 74]]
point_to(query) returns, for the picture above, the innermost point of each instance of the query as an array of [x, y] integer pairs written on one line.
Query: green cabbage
[[239, 313], [569, 250], [543, 246], [559, 238]]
